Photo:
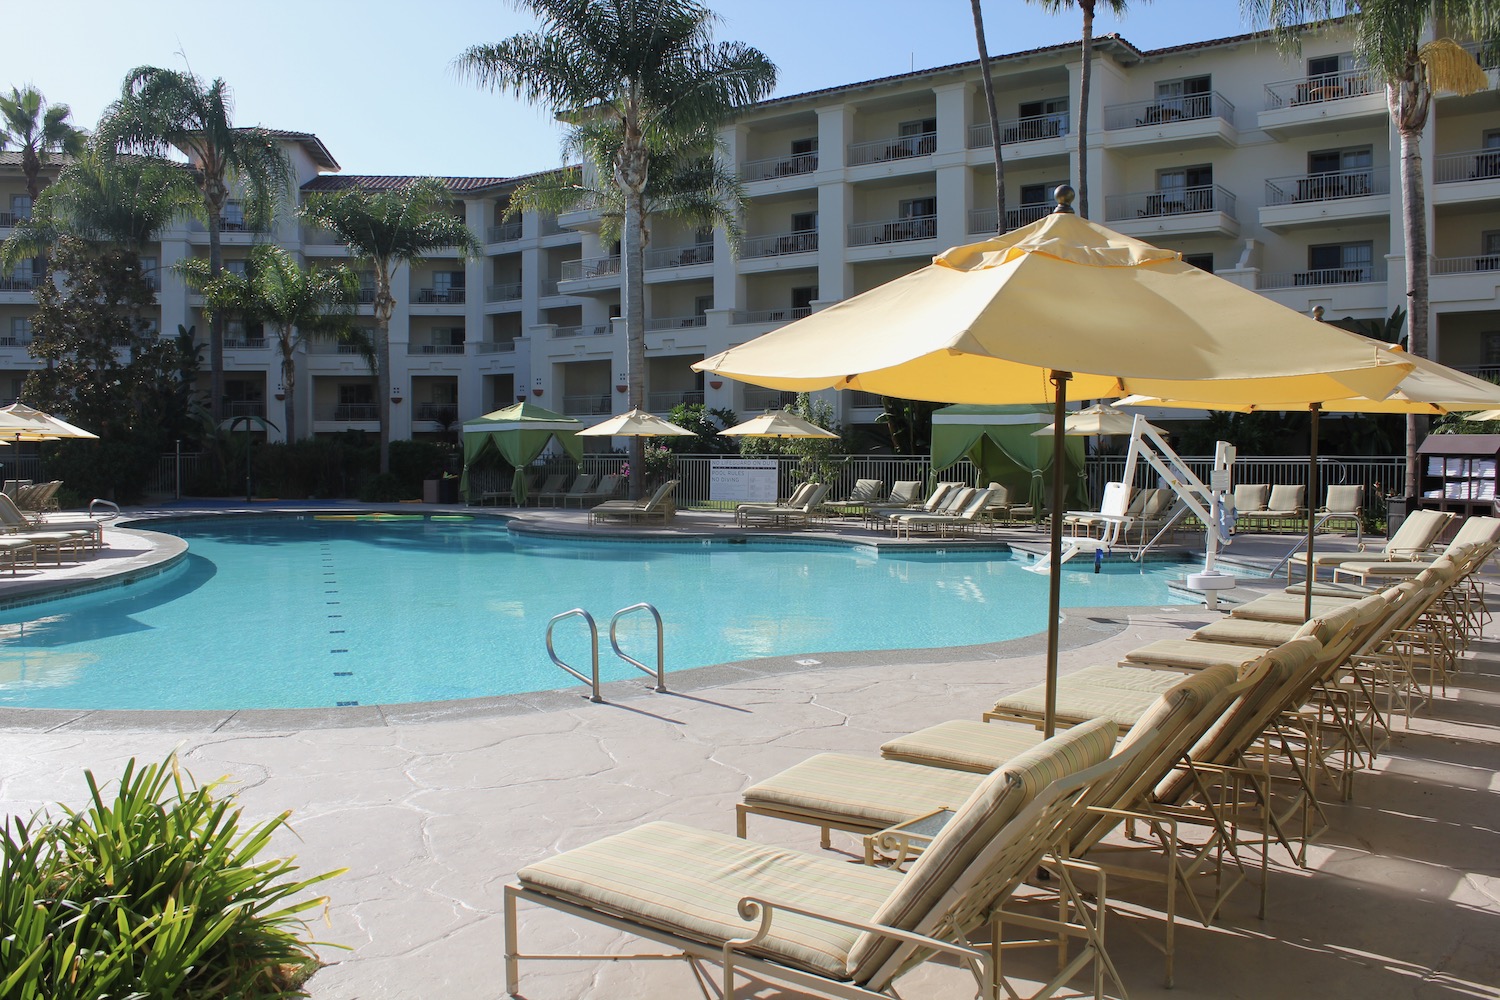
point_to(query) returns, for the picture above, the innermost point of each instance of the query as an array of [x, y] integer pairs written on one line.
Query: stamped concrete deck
[[433, 813]]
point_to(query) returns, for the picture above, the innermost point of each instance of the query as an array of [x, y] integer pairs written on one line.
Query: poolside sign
[[752, 479]]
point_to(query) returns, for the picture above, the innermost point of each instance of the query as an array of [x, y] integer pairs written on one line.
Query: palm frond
[[1451, 68]]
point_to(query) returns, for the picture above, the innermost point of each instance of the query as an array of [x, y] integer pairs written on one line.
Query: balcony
[[593, 404], [505, 232], [795, 165], [1465, 280], [748, 317], [684, 256], [348, 412], [757, 398], [22, 283], [328, 347], [547, 287], [1192, 120], [495, 347], [318, 236], [658, 323], [8, 220], [1472, 165], [1030, 129], [1465, 265], [922, 227], [779, 244], [589, 267], [1329, 100], [1490, 373], [15, 341], [508, 292], [894, 148], [986, 220], [662, 402], [244, 343], [1355, 275], [594, 330], [1322, 198], [438, 413], [434, 348], [1193, 211], [438, 296], [245, 408]]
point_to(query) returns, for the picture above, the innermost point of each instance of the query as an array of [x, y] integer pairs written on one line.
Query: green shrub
[[156, 893], [415, 461], [114, 470], [386, 488]]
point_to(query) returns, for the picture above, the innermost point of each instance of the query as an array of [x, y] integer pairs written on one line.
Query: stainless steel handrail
[[111, 509], [661, 660], [593, 643]]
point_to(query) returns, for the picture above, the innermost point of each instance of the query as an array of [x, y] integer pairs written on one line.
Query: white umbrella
[[636, 423], [53, 426], [1099, 419], [778, 424]]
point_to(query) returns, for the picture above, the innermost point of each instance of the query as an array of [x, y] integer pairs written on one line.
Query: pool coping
[[1079, 627]]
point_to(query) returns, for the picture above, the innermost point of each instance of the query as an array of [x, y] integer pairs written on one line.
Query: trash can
[[1396, 509]]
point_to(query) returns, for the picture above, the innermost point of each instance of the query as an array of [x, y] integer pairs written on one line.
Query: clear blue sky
[[373, 78]]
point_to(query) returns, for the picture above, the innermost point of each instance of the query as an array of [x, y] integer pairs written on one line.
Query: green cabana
[[519, 433], [998, 440]]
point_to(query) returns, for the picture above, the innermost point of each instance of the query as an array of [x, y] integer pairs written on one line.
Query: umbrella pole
[[1312, 495], [1054, 579]]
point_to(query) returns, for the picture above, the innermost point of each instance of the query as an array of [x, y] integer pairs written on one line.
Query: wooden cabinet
[[1458, 472]]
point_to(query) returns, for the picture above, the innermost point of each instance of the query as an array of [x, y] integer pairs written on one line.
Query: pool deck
[[433, 811]]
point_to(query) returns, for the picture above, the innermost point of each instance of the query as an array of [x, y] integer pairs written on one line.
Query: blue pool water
[[304, 612]]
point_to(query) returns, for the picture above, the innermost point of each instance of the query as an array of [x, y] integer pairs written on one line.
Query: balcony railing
[[1029, 129], [495, 347], [895, 148], [778, 166], [449, 296], [1474, 165], [21, 284], [589, 267], [1174, 201], [743, 317], [1490, 373], [434, 348], [922, 227], [349, 411], [805, 241], [9, 219], [244, 343], [508, 292], [1320, 89], [983, 220], [505, 232], [1488, 56], [9, 341], [1357, 274], [323, 347], [661, 402], [442, 413], [548, 286], [698, 253], [865, 400], [590, 404], [1466, 265], [318, 236], [1330, 186], [596, 330], [1167, 110], [757, 398], [675, 322], [245, 408], [548, 225]]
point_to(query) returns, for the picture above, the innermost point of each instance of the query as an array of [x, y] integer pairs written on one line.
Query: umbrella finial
[[1064, 195]]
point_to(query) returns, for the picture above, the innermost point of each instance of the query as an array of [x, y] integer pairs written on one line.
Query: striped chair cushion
[[689, 882], [1083, 701], [973, 828], [877, 793], [1194, 654], [1245, 632], [963, 745]]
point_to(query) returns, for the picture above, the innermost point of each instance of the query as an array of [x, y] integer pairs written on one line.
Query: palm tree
[[650, 71], [1388, 42], [39, 129], [400, 225], [299, 305], [162, 109], [1085, 82], [989, 103]]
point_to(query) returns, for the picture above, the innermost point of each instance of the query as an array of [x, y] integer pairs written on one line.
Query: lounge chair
[[552, 489], [605, 490], [73, 534], [904, 495], [658, 505], [787, 515], [865, 492], [1343, 505], [1420, 529], [968, 517], [1286, 506], [1481, 531], [880, 515], [833, 929], [998, 509], [38, 497], [799, 496], [582, 485], [1251, 498]]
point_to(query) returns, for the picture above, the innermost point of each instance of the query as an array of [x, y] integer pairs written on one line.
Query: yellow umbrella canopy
[[1014, 319], [1099, 419], [636, 423], [780, 424], [56, 427]]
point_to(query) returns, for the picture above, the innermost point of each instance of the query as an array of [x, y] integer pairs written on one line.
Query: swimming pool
[[299, 612]]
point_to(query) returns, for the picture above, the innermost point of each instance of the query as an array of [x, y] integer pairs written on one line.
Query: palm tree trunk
[[631, 174], [1085, 78], [289, 386], [989, 103], [216, 322], [385, 306], [1409, 105]]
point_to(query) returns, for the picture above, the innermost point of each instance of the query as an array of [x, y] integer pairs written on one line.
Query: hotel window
[[448, 336], [20, 206], [1039, 119], [1183, 189], [802, 300], [920, 136], [232, 219], [235, 267], [1331, 263], [917, 208], [1489, 347], [1202, 261], [1489, 259], [802, 147], [702, 304], [804, 222], [448, 286], [1189, 97], [20, 332], [150, 271]]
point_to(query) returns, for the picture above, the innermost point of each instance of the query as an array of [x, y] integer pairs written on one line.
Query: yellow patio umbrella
[[635, 423], [778, 424], [1016, 318], [1429, 388]]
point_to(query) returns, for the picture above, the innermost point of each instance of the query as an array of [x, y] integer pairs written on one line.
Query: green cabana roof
[[519, 433]]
